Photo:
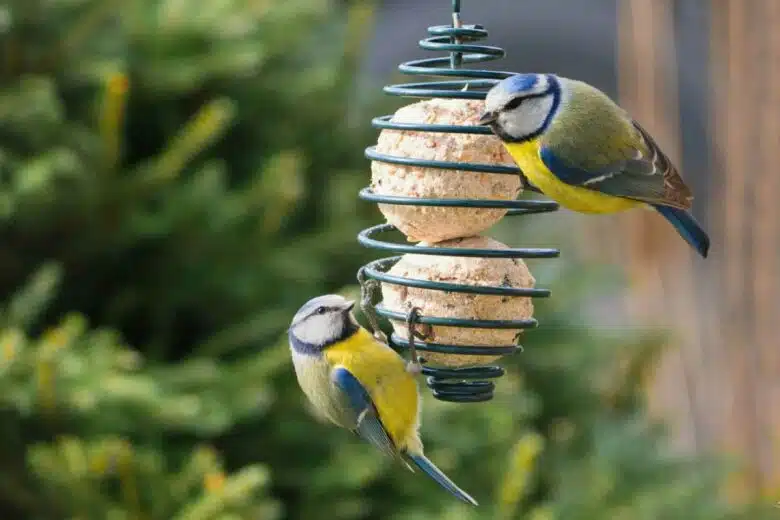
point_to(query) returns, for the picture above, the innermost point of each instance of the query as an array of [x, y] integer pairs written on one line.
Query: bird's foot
[[368, 288], [527, 186], [380, 336], [423, 332], [414, 368]]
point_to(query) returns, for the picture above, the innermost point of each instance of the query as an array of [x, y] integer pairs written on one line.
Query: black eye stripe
[[317, 312], [514, 103]]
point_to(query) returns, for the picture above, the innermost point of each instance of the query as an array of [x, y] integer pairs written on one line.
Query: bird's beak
[[348, 305], [488, 118]]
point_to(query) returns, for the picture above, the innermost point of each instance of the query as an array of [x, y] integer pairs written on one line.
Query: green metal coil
[[469, 384]]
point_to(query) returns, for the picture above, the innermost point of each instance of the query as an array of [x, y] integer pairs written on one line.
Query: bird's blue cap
[[329, 301], [506, 89], [519, 83]]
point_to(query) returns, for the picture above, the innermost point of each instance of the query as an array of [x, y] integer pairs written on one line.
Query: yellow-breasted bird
[[582, 150], [360, 384]]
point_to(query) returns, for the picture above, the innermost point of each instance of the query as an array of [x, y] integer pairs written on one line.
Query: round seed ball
[[434, 224], [506, 272]]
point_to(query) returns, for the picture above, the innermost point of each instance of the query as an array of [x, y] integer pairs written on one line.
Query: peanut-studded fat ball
[[497, 272], [434, 224]]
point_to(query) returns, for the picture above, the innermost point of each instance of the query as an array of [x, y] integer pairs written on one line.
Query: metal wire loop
[[467, 384]]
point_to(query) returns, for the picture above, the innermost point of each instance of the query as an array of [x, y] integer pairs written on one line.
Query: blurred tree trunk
[[745, 45], [719, 384]]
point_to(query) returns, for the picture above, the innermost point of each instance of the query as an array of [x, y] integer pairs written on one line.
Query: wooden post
[[659, 261], [719, 383], [723, 372]]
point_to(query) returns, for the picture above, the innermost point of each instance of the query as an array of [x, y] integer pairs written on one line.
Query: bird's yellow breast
[[383, 373], [583, 200]]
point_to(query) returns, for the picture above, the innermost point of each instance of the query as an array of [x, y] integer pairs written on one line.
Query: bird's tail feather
[[429, 468], [687, 227]]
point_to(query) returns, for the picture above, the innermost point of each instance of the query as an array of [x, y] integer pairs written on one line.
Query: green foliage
[[176, 178], [199, 490], [166, 155], [93, 392]]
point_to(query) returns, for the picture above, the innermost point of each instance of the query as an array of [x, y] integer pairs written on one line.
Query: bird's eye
[[320, 310], [513, 103]]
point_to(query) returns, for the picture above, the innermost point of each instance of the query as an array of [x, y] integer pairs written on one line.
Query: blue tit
[[360, 384], [579, 148]]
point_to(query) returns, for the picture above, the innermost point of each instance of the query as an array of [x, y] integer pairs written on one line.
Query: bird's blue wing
[[649, 177], [368, 424], [623, 179]]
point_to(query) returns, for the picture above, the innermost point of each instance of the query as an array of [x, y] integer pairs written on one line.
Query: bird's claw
[[414, 367], [423, 334], [368, 289], [380, 336], [527, 186]]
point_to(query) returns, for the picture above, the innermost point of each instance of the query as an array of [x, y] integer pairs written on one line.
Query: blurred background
[[178, 176]]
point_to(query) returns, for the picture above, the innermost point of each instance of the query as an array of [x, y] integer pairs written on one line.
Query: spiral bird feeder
[[458, 384]]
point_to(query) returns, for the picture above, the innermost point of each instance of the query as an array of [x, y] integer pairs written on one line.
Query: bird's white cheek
[[519, 123], [317, 330], [528, 118]]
